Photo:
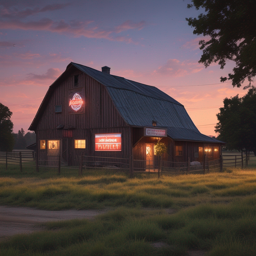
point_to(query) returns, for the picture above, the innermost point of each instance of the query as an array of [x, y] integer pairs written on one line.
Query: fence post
[[204, 162], [221, 163], [59, 164], [37, 163], [81, 165], [188, 167], [131, 165], [235, 160], [208, 166], [159, 166], [242, 157], [20, 161], [6, 157]]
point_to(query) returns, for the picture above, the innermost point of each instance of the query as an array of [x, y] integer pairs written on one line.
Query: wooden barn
[[94, 113]]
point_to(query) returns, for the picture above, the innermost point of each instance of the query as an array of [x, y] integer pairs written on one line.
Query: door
[[149, 156], [65, 149]]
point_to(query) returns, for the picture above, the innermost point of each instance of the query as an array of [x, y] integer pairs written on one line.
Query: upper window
[[178, 151], [58, 109], [80, 144], [76, 80], [42, 144]]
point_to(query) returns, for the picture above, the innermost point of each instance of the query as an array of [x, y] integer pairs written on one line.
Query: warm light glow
[[42, 144], [53, 144], [80, 143], [76, 102], [148, 149], [178, 150], [215, 149]]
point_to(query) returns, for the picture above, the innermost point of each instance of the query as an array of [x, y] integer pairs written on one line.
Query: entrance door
[[149, 156]]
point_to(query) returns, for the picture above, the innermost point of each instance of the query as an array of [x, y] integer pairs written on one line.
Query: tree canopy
[[230, 26], [6, 126], [237, 122]]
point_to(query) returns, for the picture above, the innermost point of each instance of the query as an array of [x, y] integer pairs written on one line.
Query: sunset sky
[[148, 41]]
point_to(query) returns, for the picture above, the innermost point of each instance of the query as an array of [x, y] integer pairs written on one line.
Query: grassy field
[[214, 213]]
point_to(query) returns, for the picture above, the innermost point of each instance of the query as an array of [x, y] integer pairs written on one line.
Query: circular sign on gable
[[76, 102]]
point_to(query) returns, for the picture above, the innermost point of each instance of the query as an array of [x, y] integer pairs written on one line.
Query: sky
[[148, 41]]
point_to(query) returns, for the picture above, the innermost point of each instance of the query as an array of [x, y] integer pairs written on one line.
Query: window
[[42, 144], [80, 143], [53, 144], [75, 80], [58, 109], [178, 150]]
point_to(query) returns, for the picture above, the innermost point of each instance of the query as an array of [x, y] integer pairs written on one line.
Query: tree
[[6, 126], [230, 24], [237, 122]]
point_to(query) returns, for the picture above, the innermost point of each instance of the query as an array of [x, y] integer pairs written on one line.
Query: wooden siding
[[100, 116], [100, 111]]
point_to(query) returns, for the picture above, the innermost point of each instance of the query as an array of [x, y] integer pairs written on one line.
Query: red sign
[[76, 102], [155, 132], [108, 142]]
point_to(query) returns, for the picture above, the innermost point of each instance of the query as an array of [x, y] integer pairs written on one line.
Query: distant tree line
[[8, 139], [22, 140]]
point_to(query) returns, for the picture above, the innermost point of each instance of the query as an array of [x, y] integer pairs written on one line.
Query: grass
[[101, 189], [214, 212]]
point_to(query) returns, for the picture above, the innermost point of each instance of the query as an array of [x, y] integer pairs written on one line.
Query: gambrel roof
[[139, 104]]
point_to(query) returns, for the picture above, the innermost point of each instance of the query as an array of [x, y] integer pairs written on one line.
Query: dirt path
[[20, 220]]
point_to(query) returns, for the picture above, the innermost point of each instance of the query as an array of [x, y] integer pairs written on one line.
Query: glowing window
[[53, 144], [80, 144], [178, 150], [42, 144]]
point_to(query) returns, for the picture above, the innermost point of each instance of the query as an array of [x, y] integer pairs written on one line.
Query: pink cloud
[[130, 25], [51, 73], [73, 28], [176, 68]]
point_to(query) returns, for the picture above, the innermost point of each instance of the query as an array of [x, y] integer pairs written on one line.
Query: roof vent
[[105, 69]]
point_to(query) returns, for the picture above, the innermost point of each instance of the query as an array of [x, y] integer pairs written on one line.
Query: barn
[[95, 113]]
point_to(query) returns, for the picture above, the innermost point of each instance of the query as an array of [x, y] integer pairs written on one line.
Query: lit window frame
[[178, 152], [51, 141], [42, 144], [76, 143]]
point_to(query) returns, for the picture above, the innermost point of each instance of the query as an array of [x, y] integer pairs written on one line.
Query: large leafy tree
[[6, 126], [237, 122], [230, 27]]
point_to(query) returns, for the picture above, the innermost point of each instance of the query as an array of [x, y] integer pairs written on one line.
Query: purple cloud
[[51, 73], [176, 68], [10, 12]]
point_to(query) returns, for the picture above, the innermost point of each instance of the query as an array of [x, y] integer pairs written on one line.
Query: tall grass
[[109, 189]]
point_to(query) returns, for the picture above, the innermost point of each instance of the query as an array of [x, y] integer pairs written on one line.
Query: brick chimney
[[105, 69]]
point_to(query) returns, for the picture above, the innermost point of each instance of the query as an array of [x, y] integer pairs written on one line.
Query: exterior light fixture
[[154, 123]]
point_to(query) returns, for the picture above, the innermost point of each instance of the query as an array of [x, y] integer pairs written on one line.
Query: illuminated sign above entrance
[[108, 142], [76, 102], [155, 132]]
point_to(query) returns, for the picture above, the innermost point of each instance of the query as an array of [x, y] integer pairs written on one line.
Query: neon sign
[[108, 142], [155, 132], [76, 102]]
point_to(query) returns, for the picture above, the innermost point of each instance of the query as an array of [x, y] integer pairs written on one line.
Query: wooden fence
[[236, 160], [16, 158]]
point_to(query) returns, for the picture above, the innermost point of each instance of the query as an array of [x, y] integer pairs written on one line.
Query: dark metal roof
[[139, 104]]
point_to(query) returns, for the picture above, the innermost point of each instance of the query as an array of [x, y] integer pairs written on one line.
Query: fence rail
[[83, 162]]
